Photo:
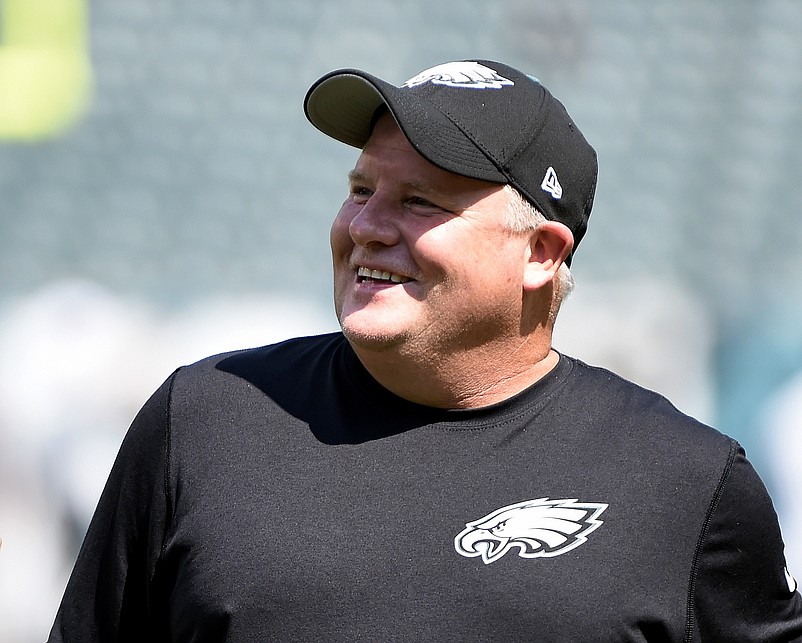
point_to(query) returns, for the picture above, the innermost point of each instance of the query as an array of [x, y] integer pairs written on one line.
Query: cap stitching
[[492, 157]]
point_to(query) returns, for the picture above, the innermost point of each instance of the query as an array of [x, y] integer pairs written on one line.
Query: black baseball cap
[[476, 118]]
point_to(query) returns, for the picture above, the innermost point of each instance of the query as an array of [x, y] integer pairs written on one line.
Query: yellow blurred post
[[45, 74]]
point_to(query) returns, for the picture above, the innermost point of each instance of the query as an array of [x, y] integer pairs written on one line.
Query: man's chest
[[413, 539]]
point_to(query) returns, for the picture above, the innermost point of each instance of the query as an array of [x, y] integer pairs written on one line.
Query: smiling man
[[428, 271], [437, 471]]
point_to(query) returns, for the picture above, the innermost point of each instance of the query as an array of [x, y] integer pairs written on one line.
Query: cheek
[[486, 260], [339, 235], [488, 277]]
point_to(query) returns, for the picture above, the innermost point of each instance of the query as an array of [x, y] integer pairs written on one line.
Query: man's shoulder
[[285, 360], [294, 349], [622, 404]]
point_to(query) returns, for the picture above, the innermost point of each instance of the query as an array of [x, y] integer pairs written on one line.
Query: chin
[[371, 337], [370, 341]]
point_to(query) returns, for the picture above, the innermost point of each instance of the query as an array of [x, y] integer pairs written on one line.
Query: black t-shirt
[[280, 493]]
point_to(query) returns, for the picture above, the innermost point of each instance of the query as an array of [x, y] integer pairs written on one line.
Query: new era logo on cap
[[551, 185]]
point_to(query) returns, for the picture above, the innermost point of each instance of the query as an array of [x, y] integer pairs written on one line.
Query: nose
[[375, 223]]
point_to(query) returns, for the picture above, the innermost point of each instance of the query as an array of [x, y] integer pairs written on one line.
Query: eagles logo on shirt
[[537, 528]]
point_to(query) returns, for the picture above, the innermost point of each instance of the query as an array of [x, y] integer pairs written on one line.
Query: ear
[[551, 242]]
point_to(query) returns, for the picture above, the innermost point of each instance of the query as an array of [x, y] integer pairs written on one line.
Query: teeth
[[381, 275]]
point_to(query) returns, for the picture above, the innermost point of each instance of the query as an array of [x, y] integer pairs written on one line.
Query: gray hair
[[522, 216]]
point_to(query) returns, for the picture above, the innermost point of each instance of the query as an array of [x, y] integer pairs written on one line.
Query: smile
[[378, 275]]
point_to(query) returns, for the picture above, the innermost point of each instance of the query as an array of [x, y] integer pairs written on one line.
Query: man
[[436, 471]]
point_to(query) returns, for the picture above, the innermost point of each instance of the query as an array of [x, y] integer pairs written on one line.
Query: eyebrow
[[355, 176]]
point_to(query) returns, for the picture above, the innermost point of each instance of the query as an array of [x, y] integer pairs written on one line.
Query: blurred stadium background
[[162, 197]]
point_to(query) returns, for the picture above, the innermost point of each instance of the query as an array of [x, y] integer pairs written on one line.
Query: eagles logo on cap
[[468, 74]]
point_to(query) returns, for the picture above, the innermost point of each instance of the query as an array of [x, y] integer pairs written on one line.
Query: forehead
[[388, 144]]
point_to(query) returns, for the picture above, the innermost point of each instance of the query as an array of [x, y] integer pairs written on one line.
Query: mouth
[[364, 274]]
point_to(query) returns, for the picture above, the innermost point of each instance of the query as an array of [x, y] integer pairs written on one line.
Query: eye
[[359, 193], [420, 205]]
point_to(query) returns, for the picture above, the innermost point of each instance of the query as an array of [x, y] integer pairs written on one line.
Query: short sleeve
[[110, 595], [742, 590]]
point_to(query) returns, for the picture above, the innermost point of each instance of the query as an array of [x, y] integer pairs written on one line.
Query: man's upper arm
[[741, 590], [107, 596]]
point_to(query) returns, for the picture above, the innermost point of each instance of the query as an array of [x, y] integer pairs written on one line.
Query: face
[[422, 259]]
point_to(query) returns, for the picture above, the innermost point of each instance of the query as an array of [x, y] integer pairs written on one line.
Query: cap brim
[[343, 105]]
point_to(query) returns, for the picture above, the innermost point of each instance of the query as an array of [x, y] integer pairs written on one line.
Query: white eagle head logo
[[469, 75], [538, 528]]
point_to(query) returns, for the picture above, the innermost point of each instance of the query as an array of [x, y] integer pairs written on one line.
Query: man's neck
[[468, 380]]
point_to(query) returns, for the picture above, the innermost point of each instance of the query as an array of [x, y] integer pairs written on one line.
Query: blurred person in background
[[436, 470]]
